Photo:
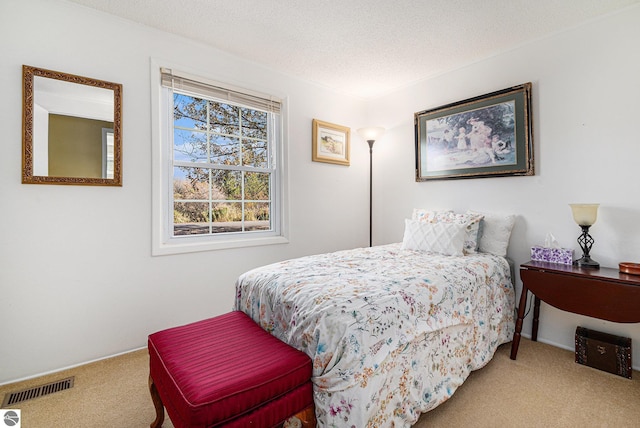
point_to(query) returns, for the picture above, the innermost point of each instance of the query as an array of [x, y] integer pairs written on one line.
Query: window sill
[[180, 246]]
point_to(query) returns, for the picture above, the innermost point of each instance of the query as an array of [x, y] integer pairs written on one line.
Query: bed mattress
[[392, 333]]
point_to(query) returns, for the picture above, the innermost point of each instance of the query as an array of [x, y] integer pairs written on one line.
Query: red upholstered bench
[[227, 371]]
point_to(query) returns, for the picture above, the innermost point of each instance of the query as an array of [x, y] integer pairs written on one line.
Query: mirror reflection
[[71, 129]]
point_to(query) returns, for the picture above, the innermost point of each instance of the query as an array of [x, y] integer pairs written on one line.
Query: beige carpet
[[544, 387]]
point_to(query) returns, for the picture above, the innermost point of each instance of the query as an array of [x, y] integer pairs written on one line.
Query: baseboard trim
[[71, 366], [568, 348]]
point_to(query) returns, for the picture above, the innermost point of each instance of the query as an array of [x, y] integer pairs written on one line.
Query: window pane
[[254, 123], [189, 146], [190, 218], [257, 216], [227, 184], [225, 150], [190, 183], [256, 186], [224, 118], [227, 217], [189, 112], [255, 153]]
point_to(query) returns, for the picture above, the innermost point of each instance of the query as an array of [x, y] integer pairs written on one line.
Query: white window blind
[[196, 85]]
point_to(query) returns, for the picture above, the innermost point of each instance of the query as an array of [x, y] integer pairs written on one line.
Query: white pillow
[[471, 221], [442, 238], [495, 231]]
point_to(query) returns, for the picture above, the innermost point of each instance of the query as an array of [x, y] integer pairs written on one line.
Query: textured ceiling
[[361, 47]]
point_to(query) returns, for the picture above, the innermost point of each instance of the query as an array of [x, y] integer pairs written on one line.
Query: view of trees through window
[[221, 167]]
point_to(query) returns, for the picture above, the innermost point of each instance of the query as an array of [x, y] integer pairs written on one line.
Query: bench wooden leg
[[306, 419], [157, 403]]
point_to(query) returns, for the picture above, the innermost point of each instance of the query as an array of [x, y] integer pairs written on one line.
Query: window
[[222, 175], [108, 154]]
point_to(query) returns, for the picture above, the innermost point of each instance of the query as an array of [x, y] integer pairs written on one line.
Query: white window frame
[[163, 241]]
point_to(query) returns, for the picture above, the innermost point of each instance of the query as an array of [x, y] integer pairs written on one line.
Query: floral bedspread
[[392, 333]]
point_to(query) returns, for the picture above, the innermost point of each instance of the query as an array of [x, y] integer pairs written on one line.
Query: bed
[[392, 330]]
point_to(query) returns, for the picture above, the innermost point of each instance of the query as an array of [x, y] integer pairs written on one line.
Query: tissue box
[[552, 255]]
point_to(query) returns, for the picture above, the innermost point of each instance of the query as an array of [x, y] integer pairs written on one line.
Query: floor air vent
[[37, 391]]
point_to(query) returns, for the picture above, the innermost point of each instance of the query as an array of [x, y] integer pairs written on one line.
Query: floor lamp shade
[[371, 133]]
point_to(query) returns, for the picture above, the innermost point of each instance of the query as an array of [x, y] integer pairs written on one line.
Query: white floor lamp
[[371, 134]]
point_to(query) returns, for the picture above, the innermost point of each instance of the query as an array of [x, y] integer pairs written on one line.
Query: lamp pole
[[370, 135], [371, 191]]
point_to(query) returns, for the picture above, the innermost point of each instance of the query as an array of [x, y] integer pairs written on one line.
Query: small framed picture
[[331, 143], [486, 136]]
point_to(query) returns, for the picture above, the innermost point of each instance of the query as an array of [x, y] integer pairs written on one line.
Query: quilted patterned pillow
[[427, 216], [438, 237], [470, 220]]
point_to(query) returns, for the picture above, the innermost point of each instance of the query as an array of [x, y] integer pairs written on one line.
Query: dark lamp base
[[587, 262]]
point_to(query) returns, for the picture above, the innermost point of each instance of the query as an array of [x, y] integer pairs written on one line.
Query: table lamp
[[585, 215]]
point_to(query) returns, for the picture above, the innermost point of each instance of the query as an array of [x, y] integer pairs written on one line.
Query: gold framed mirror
[[71, 129]]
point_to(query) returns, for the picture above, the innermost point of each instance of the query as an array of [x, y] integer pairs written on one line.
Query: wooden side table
[[603, 293]]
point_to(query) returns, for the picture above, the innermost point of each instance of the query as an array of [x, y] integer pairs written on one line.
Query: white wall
[[587, 146], [77, 279]]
